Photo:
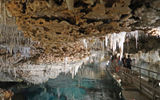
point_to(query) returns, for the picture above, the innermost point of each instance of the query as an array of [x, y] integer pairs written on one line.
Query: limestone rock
[[98, 12], [5, 95], [155, 4]]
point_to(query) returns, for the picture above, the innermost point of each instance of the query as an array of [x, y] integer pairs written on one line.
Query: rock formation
[[47, 32], [5, 95]]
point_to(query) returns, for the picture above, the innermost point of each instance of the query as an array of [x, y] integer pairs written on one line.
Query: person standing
[[128, 62], [118, 64], [124, 61]]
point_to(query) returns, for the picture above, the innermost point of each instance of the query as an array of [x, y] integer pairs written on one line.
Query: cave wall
[[49, 31]]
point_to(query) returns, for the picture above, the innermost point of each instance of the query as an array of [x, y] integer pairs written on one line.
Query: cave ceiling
[[55, 22], [57, 25]]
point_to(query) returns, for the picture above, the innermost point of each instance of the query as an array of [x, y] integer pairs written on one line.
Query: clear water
[[90, 83]]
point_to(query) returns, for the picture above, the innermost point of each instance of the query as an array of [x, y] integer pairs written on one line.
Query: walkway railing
[[149, 72], [144, 82]]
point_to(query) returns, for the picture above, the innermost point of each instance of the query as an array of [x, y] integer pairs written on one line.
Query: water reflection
[[90, 83]]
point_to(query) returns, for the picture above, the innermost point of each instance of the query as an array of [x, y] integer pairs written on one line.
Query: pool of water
[[90, 83]]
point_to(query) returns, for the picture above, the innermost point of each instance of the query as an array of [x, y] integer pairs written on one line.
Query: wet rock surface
[[5, 95], [51, 31]]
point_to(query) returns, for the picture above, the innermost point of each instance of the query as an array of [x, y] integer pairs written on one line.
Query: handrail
[[149, 71], [141, 84], [146, 69]]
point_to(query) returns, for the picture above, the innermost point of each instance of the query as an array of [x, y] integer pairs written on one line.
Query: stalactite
[[3, 7], [65, 62], [106, 41], [1, 10], [9, 70], [85, 43], [70, 4], [10, 37], [102, 2], [135, 35], [14, 70], [13, 41], [121, 43], [103, 45], [115, 40]]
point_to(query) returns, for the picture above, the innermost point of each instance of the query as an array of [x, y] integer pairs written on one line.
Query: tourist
[[124, 61], [118, 64], [128, 62], [113, 58], [119, 61]]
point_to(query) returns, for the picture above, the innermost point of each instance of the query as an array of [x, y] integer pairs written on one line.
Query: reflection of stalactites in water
[[58, 93], [66, 88]]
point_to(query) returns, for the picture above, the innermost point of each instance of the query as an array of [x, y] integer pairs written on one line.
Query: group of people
[[127, 62], [117, 62]]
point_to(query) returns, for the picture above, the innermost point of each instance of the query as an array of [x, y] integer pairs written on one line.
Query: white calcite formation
[[41, 73], [37, 74], [85, 43], [112, 41], [11, 38], [135, 35], [98, 47], [14, 41]]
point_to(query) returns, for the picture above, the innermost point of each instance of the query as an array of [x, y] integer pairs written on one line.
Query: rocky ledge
[[5, 94]]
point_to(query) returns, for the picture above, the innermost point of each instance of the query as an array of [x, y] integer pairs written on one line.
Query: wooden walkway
[[136, 85]]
